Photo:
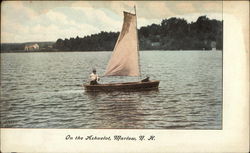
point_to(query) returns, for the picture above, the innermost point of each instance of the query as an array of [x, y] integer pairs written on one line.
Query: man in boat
[[94, 78]]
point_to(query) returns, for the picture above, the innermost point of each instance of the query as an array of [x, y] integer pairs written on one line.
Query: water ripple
[[43, 90]]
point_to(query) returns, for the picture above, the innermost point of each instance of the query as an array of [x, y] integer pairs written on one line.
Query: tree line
[[170, 34]]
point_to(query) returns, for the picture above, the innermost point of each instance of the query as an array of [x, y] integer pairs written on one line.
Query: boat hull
[[128, 86]]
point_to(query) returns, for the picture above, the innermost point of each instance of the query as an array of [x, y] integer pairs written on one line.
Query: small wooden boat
[[127, 86], [125, 60]]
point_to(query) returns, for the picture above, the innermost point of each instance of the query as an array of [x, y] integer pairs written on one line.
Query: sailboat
[[125, 60]]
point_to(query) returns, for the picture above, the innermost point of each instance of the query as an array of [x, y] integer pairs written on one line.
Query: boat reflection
[[119, 109]]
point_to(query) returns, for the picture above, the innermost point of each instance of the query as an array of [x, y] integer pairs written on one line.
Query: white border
[[233, 138]]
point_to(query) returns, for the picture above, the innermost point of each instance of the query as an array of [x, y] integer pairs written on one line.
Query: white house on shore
[[31, 47], [213, 45]]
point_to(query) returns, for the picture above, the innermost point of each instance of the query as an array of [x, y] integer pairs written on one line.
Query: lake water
[[43, 90]]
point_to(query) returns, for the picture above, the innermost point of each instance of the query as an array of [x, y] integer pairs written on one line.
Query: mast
[[137, 41]]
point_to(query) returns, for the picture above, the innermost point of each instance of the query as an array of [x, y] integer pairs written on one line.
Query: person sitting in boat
[[94, 78], [146, 79]]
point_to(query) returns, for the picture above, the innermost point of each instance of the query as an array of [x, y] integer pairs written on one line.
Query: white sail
[[125, 57]]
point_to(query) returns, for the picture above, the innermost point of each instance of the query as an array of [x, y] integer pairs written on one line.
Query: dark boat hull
[[128, 86]]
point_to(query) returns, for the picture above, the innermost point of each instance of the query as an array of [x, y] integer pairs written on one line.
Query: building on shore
[[31, 47], [213, 45]]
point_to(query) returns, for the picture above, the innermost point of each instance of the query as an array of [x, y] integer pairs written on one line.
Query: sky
[[26, 21]]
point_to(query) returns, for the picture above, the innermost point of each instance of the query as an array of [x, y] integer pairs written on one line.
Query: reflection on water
[[124, 110], [43, 90]]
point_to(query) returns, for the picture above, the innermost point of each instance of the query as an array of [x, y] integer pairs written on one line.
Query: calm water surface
[[43, 90]]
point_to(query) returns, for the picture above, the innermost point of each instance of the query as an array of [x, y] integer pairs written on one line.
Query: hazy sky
[[24, 21]]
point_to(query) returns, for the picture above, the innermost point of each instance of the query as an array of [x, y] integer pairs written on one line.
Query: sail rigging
[[125, 57]]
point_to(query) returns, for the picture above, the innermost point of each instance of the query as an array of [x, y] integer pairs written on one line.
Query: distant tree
[[59, 44]]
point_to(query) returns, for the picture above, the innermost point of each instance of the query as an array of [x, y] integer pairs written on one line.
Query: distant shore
[[172, 34]]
